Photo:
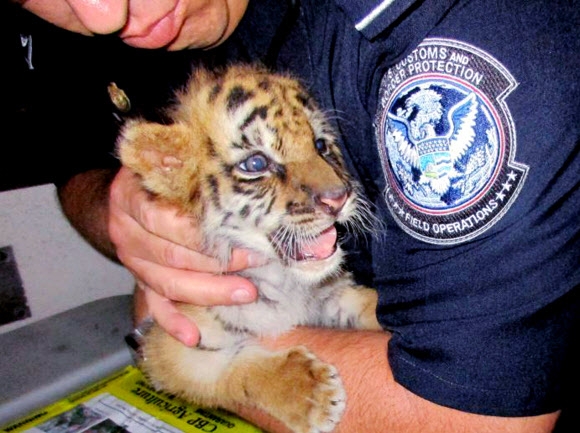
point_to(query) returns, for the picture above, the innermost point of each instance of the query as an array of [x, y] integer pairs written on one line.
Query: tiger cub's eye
[[256, 163], [321, 146]]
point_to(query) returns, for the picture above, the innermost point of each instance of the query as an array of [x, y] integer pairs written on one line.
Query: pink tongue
[[321, 247]]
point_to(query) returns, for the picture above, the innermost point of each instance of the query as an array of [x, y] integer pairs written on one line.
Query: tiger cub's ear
[[157, 153]]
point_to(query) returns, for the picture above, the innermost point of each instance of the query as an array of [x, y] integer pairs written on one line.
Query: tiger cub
[[252, 160]]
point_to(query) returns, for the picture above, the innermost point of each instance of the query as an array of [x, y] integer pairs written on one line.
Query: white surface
[[59, 270]]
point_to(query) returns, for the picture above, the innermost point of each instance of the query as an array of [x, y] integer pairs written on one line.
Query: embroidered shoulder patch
[[447, 142]]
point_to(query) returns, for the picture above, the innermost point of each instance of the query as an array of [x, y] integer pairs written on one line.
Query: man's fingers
[[166, 314], [242, 259], [180, 246], [158, 218], [198, 288], [159, 250], [128, 200]]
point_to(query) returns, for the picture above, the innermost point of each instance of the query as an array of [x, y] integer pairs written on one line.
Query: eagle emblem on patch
[[447, 142]]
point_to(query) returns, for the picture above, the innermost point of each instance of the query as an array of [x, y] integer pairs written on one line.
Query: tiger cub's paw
[[317, 392]]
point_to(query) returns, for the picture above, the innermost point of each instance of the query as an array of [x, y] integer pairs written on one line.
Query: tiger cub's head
[[253, 161]]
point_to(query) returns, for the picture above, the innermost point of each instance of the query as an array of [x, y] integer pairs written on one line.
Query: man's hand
[[162, 250]]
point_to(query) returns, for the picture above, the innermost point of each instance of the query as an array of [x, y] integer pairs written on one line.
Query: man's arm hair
[[84, 200]]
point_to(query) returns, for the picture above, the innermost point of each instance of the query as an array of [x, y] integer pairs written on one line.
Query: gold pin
[[119, 98]]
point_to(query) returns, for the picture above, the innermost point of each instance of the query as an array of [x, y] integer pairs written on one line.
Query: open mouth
[[297, 248]]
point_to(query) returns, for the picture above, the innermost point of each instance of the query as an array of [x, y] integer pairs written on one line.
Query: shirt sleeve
[[512, 363]]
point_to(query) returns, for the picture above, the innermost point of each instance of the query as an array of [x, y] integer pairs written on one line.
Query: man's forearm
[[361, 360], [375, 402], [84, 200]]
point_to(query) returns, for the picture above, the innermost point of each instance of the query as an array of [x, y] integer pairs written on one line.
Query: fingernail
[[242, 296], [187, 338], [255, 260]]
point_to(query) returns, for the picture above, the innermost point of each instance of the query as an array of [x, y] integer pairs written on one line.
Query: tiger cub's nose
[[332, 201]]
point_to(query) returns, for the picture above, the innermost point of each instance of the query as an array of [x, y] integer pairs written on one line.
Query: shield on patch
[[435, 159]]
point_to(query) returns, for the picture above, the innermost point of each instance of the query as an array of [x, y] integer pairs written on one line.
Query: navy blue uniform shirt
[[461, 119]]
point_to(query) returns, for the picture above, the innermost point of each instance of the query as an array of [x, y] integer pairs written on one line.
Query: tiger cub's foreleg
[[292, 385], [351, 307]]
